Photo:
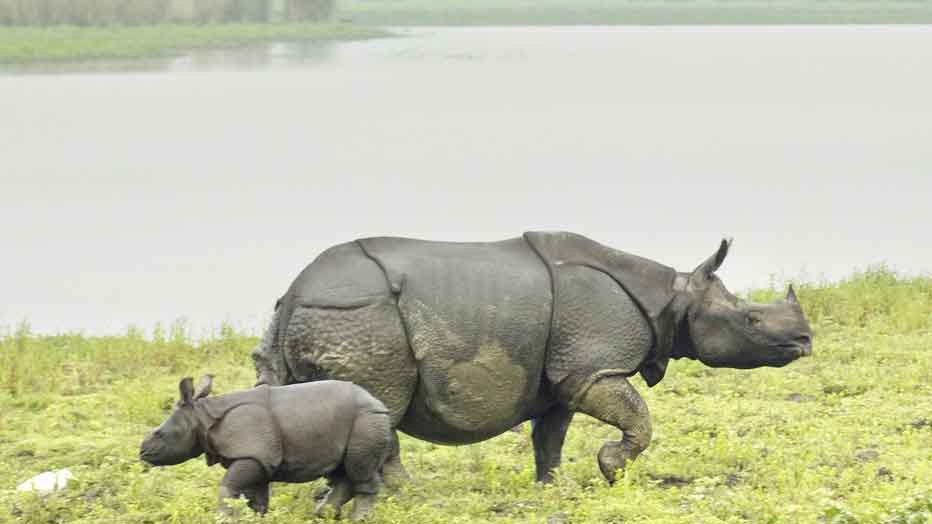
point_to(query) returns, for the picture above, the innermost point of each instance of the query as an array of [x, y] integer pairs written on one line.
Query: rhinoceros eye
[[753, 318]]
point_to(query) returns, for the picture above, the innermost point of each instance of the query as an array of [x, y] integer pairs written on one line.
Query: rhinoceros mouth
[[796, 349], [147, 457]]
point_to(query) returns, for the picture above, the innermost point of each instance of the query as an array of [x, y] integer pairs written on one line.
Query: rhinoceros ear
[[203, 386], [705, 270], [186, 387], [791, 295]]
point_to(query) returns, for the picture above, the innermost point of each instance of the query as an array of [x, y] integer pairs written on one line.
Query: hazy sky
[[137, 197]]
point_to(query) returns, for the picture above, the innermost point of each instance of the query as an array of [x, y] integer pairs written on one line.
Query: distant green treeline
[[633, 12], [135, 12]]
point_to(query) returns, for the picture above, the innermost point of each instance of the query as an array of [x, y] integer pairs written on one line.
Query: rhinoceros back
[[477, 317]]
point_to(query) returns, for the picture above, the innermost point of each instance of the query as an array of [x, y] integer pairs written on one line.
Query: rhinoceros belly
[[477, 318]]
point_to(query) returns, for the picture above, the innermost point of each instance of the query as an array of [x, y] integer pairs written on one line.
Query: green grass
[[63, 43], [637, 12], [22, 45], [842, 437]]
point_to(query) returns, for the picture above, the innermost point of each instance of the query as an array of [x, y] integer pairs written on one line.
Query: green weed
[[22, 45], [841, 437]]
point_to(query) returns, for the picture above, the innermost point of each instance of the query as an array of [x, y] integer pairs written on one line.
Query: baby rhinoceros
[[294, 433]]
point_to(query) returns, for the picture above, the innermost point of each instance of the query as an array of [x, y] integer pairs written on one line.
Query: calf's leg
[[258, 497], [341, 491], [362, 505], [245, 477], [394, 472], [369, 446]]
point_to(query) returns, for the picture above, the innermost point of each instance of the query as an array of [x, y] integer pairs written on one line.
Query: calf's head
[[726, 331], [177, 439]]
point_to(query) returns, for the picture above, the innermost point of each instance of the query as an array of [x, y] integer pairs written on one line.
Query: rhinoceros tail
[[285, 308]]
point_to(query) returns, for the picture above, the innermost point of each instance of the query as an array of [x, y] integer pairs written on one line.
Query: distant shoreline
[[362, 20], [659, 13], [64, 44]]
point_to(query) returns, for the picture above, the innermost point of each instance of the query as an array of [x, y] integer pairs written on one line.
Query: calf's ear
[[186, 387], [203, 386]]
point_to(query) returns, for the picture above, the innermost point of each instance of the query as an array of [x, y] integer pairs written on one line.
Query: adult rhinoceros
[[463, 341]]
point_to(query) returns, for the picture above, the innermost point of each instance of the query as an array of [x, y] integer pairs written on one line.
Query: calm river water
[[198, 187]]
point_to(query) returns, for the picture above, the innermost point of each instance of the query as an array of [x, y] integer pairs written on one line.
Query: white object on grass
[[47, 482]]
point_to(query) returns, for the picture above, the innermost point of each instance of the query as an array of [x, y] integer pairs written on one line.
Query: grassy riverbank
[[23, 45], [637, 12], [361, 18], [839, 438]]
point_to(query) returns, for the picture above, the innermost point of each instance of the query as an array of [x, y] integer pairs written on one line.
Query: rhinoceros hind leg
[[548, 434], [614, 400], [341, 491], [369, 446]]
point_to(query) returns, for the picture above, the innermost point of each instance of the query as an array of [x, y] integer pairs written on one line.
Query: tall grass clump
[[74, 364], [841, 437], [29, 45], [877, 297]]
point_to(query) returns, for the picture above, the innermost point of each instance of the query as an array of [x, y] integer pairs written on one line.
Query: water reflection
[[268, 57], [131, 198], [282, 55]]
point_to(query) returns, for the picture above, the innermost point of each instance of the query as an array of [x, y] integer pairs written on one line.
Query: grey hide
[[462, 341], [294, 433]]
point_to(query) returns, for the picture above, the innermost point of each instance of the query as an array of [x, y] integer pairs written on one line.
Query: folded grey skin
[[462, 341]]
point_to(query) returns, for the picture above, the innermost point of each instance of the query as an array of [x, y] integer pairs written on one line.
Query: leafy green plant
[[26, 45], [841, 437]]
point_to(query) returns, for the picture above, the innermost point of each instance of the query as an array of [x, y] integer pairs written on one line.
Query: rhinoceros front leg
[[614, 400], [548, 434], [245, 477]]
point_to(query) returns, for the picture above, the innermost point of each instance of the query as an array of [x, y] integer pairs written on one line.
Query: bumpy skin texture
[[328, 343], [455, 337], [269, 362], [648, 283], [479, 354], [339, 320], [464, 340], [597, 328]]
